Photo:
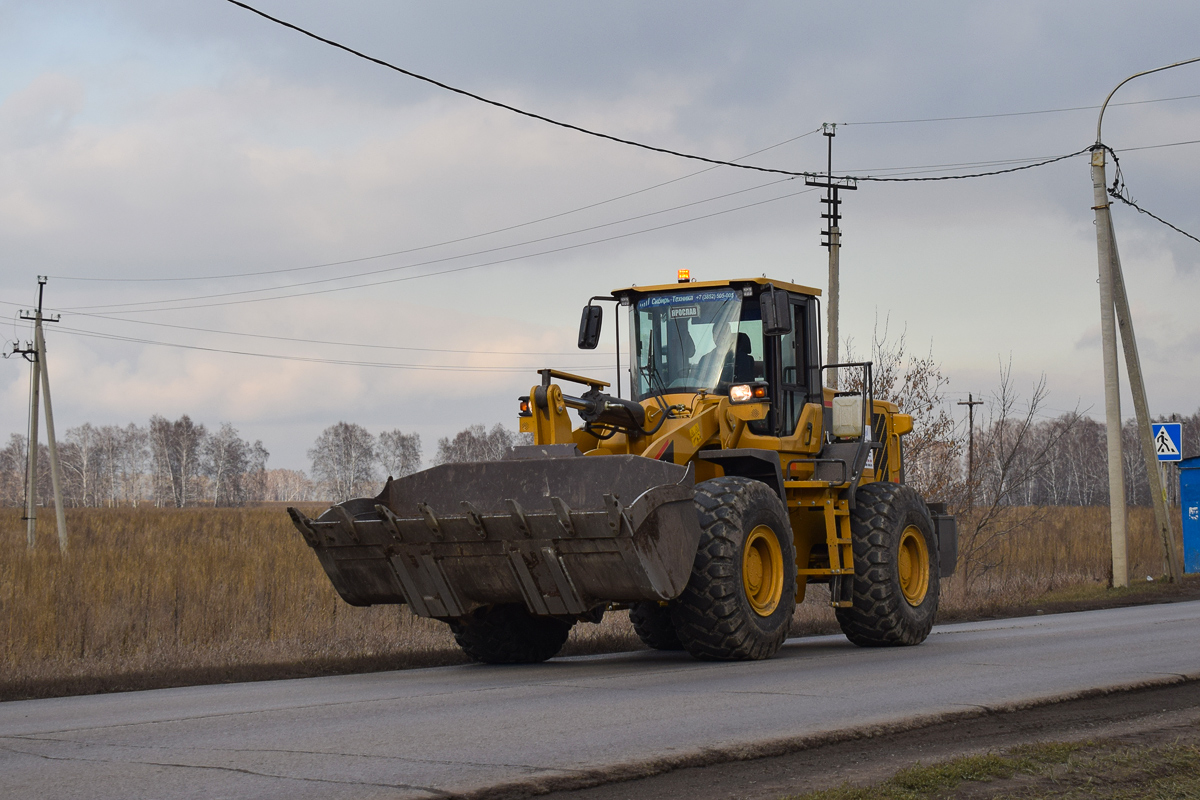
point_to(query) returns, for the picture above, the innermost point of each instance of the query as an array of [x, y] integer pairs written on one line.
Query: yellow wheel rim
[[762, 570], [914, 565]]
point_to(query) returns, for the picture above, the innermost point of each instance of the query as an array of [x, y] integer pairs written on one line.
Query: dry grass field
[[153, 597]]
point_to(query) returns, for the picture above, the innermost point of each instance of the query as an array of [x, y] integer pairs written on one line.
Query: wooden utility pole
[[833, 241], [970, 403], [39, 385]]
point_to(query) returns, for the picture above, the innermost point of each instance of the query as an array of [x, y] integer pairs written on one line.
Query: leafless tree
[[476, 443], [83, 465], [399, 453], [12, 471], [288, 486], [933, 450], [130, 462], [256, 474], [1013, 452], [176, 448], [343, 459], [234, 467]]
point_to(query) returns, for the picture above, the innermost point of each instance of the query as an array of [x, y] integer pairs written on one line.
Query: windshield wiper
[[657, 388]]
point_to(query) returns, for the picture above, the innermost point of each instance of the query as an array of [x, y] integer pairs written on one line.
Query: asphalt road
[[475, 729]]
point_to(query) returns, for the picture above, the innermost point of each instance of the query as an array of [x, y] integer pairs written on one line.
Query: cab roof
[[674, 287]]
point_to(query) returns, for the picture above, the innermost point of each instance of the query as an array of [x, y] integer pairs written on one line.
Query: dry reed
[[148, 597]]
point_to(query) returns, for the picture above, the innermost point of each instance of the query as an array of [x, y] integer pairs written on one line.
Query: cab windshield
[[689, 341]]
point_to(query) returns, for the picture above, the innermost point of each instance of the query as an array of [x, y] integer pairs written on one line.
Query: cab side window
[[793, 391]]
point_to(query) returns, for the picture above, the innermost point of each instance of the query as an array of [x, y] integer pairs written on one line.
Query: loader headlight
[[748, 393], [526, 411]]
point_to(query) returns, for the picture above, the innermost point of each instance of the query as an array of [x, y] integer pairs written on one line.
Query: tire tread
[[880, 616], [710, 616]]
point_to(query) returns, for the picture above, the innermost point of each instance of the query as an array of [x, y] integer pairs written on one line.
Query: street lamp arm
[[1100, 120]]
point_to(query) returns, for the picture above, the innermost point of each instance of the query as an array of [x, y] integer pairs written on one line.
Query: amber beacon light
[[685, 275]]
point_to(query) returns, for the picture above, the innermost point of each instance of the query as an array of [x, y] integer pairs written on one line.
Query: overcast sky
[[187, 146]]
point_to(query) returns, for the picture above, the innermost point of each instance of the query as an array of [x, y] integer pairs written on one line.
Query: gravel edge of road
[[575, 780]]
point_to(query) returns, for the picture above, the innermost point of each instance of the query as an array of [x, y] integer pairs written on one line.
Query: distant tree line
[[1074, 469], [165, 463], [1019, 459], [181, 463], [347, 461]]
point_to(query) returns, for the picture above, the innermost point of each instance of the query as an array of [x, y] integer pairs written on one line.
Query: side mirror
[[776, 312], [589, 327]]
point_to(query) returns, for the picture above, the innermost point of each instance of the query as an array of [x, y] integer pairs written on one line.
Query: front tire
[[509, 634], [742, 592], [895, 593], [652, 623]]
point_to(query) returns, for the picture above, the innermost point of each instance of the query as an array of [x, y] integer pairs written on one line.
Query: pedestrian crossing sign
[[1168, 440]]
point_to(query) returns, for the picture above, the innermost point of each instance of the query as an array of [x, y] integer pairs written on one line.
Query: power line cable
[[439, 260], [1019, 113], [514, 109], [630, 142], [126, 307], [1120, 191], [335, 343], [437, 244], [953, 165], [118, 308], [937, 167], [894, 179], [1155, 146], [1129, 202], [320, 341], [309, 359]]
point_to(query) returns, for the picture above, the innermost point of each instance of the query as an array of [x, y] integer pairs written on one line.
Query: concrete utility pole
[[834, 242], [1112, 385], [40, 381], [1114, 313]]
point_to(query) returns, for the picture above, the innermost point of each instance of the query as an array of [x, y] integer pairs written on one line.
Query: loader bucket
[[560, 534]]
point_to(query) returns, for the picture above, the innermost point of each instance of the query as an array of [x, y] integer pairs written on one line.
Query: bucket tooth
[[431, 520], [617, 521], [348, 524], [518, 515], [389, 521], [563, 511], [303, 524], [475, 519]]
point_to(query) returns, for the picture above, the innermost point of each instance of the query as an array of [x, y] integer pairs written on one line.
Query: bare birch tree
[[343, 459], [399, 453], [176, 448], [476, 443]]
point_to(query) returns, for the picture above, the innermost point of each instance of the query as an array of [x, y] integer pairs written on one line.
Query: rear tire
[[896, 587], [653, 625], [742, 592], [509, 634]]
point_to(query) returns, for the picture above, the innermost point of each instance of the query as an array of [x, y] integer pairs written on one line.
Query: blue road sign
[[1168, 440]]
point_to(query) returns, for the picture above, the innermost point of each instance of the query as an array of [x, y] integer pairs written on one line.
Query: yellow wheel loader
[[705, 502]]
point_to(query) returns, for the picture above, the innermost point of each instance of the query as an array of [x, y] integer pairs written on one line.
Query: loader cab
[[692, 338]]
